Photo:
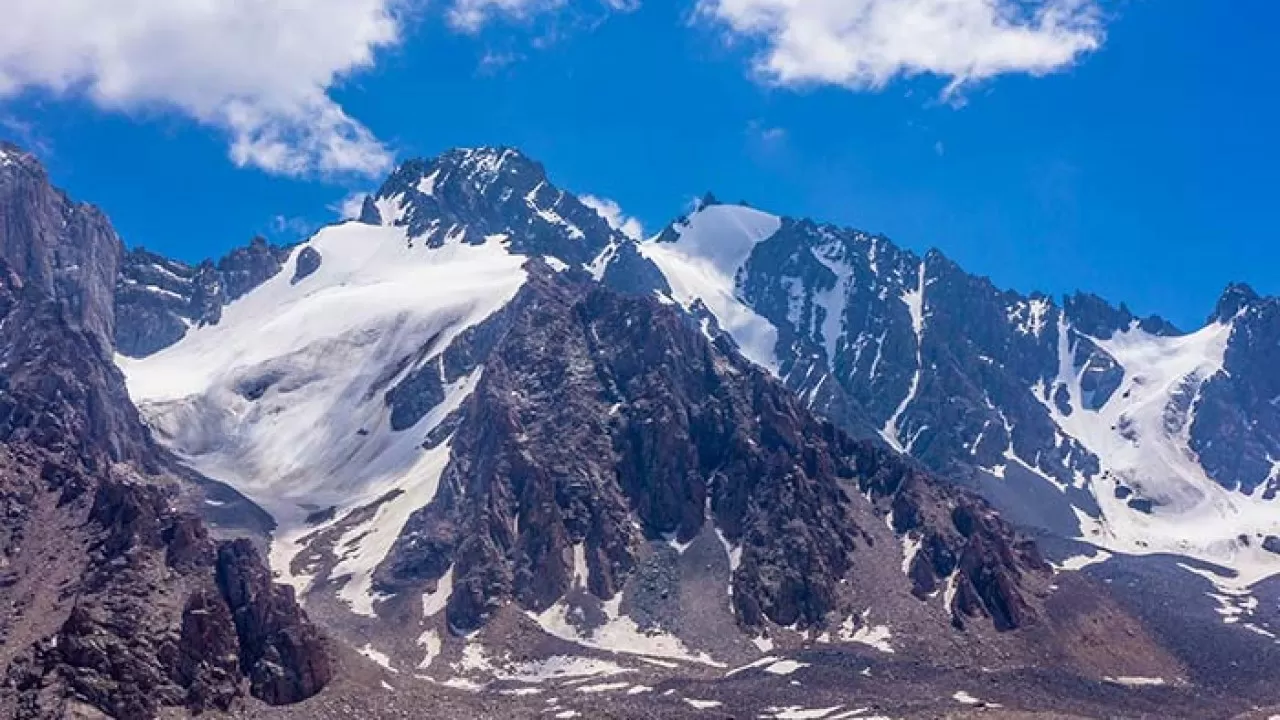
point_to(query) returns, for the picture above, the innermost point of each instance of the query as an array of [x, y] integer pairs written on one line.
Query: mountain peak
[[13, 157], [1236, 297], [483, 193]]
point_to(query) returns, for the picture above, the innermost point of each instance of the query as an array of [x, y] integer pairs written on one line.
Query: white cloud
[[349, 207], [865, 44], [260, 71], [612, 214]]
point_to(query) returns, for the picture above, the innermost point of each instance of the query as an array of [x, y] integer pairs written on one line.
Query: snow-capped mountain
[[355, 396], [1071, 416], [508, 451]]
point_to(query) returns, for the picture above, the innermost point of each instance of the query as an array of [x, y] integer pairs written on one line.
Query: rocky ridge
[[114, 601]]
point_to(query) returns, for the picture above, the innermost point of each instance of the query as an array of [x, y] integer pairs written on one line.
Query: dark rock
[[284, 656], [1271, 544], [158, 299], [597, 407], [67, 250], [307, 263]]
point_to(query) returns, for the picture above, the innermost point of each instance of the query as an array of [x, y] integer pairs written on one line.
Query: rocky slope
[[514, 446], [502, 446], [1072, 416], [113, 601]]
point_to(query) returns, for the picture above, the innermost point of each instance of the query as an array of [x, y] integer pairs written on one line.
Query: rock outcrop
[[604, 420], [111, 600]]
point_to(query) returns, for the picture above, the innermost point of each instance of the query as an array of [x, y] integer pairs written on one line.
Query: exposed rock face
[[111, 598], [962, 545], [64, 248], [164, 616], [597, 408], [146, 625], [308, 262], [281, 652], [158, 299], [58, 388], [483, 193], [1236, 431]]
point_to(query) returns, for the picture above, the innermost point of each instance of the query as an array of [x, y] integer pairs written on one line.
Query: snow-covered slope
[[1154, 494], [702, 264], [284, 398]]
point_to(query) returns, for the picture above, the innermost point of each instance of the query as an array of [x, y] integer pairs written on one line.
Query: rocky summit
[[479, 453]]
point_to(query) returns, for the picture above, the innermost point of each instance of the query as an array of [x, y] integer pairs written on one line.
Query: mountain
[[517, 463], [1072, 416], [114, 600], [157, 300]]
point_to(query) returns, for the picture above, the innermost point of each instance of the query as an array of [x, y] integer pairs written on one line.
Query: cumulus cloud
[[612, 214], [865, 44], [261, 71]]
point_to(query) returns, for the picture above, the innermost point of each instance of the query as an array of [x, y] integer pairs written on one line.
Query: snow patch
[[914, 300], [618, 634], [378, 657]]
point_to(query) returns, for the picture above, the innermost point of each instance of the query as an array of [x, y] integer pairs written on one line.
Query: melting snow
[[377, 656], [1136, 681], [619, 634], [430, 641], [965, 698], [434, 602], [864, 633], [799, 712]]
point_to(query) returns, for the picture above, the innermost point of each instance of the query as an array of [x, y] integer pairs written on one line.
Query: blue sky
[[1143, 169]]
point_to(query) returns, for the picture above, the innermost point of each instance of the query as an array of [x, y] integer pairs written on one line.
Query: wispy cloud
[[291, 228], [865, 44], [613, 214], [349, 207]]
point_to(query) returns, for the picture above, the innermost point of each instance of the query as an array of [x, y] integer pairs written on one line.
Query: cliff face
[[111, 600], [66, 249]]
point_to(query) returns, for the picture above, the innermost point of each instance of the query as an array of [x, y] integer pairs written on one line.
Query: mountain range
[[502, 459]]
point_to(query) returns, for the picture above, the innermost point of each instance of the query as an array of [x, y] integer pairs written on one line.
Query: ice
[[283, 399], [703, 264]]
